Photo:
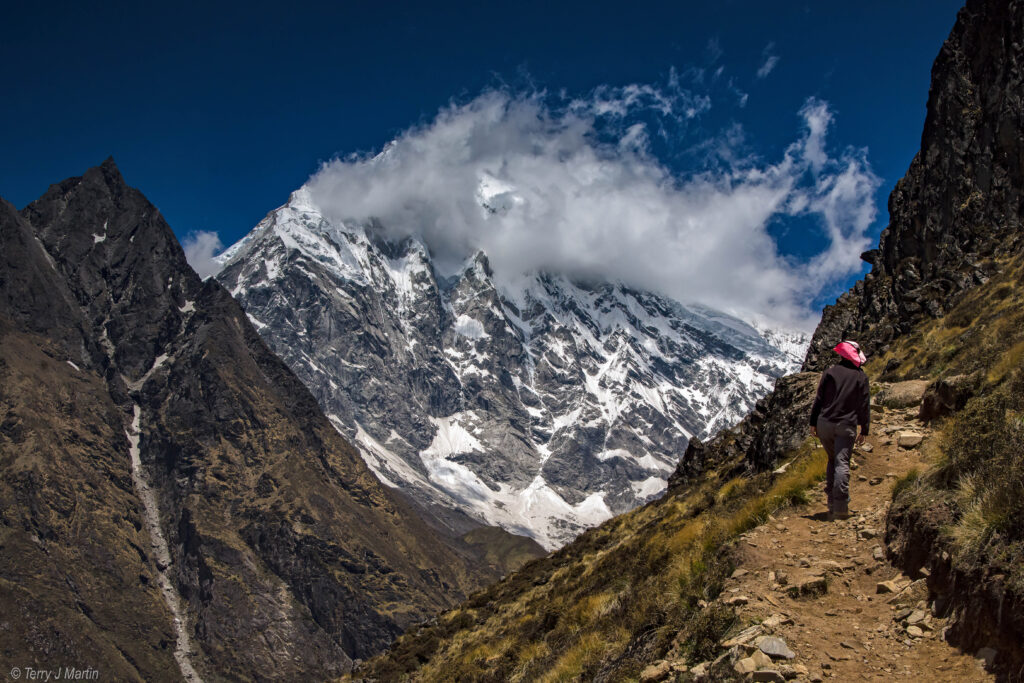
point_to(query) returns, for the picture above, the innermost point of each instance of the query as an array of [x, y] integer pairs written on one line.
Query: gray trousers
[[838, 441]]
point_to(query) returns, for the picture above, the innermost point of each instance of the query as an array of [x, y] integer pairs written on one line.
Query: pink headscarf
[[850, 350]]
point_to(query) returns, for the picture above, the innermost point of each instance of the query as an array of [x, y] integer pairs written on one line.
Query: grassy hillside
[[620, 596]]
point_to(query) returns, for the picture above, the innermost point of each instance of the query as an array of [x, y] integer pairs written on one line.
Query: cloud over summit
[[573, 186]]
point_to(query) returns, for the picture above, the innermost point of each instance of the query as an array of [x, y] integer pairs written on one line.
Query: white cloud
[[770, 60], [582, 194], [818, 117], [200, 248]]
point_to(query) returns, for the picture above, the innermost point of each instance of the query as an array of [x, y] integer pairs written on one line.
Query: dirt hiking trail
[[815, 584]]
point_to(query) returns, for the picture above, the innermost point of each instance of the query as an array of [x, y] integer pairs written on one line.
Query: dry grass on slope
[[620, 596], [978, 479], [983, 333], [964, 517]]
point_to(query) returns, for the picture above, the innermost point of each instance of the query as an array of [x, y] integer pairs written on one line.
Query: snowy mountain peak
[[541, 404]]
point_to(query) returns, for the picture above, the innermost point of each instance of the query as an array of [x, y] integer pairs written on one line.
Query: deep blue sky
[[218, 112]]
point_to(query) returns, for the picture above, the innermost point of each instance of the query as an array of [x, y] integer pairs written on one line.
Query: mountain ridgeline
[[541, 404], [173, 503], [943, 303]]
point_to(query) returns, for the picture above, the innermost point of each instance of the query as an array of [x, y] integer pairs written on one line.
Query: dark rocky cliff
[[958, 209], [279, 554]]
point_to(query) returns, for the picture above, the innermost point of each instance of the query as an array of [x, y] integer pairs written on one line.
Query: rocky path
[[825, 592]]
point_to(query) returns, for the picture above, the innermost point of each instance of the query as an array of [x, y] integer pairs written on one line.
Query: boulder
[[745, 666], [744, 636], [909, 439], [902, 394], [947, 395], [916, 617], [752, 664]]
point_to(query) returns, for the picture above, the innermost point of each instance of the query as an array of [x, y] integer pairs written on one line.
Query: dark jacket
[[843, 397]]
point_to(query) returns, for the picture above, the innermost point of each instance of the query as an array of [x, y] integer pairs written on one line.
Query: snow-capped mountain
[[543, 405]]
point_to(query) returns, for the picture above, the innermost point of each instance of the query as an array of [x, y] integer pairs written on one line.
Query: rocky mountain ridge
[[542, 404], [958, 209], [175, 504]]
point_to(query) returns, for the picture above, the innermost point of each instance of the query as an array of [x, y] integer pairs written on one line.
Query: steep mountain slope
[[175, 503], [958, 209], [543, 405], [647, 584], [75, 581]]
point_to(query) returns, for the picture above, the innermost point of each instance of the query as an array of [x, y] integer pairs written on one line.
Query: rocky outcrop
[[947, 395], [958, 209], [284, 555], [984, 608], [777, 425]]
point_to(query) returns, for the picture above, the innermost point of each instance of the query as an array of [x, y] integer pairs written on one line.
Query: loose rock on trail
[[863, 620]]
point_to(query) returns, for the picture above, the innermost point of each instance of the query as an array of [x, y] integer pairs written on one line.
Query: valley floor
[[851, 631]]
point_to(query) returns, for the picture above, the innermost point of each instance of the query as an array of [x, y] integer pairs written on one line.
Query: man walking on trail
[[842, 403]]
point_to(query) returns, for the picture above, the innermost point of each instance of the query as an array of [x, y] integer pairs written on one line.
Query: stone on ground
[[775, 647], [909, 439], [775, 621], [808, 587], [988, 655], [656, 672], [744, 636]]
